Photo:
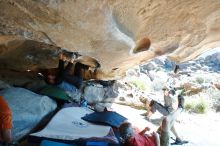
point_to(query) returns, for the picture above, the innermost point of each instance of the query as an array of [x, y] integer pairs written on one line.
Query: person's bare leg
[[168, 121], [6, 135], [173, 129], [157, 138], [167, 124], [149, 112]]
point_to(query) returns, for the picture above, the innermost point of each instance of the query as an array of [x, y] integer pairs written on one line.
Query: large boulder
[[28, 109], [213, 61], [3, 85], [95, 93], [28, 80]]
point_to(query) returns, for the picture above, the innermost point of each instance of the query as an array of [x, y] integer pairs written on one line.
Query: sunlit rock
[[107, 30]]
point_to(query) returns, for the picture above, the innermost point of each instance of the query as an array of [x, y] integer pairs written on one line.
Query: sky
[[210, 52]]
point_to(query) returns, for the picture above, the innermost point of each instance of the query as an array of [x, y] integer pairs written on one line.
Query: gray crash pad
[[28, 109]]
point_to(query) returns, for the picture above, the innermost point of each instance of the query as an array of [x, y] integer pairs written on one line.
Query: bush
[[214, 94], [200, 108], [199, 80], [139, 84], [197, 105], [189, 106]]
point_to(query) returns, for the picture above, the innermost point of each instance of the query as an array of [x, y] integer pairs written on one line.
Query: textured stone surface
[[28, 80], [95, 93], [106, 30], [3, 85]]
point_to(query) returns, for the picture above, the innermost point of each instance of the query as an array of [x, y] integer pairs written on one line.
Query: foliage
[[158, 69], [197, 105], [139, 84], [214, 94], [199, 80]]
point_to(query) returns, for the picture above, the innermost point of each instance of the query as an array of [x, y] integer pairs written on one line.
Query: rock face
[[28, 109], [207, 62], [3, 85], [106, 30], [96, 92]]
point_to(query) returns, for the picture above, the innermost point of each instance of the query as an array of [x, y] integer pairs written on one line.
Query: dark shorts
[[162, 109], [164, 138]]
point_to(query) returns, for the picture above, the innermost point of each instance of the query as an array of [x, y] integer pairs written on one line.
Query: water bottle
[[83, 103]]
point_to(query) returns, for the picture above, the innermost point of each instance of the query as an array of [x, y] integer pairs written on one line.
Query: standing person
[[170, 105], [134, 138], [5, 122]]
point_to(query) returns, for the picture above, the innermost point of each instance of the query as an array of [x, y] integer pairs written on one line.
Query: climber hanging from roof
[[71, 71]]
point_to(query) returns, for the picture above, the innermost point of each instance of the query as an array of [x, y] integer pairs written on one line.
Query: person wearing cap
[[5, 122], [170, 105]]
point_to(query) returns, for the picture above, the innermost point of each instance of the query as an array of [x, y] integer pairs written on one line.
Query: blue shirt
[[67, 87]]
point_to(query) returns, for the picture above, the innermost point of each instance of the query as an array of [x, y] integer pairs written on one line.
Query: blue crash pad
[[108, 117], [52, 143]]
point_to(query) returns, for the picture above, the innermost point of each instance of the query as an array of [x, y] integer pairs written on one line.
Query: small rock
[[217, 107], [130, 95], [121, 98]]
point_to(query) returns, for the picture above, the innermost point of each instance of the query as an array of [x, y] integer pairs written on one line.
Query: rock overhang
[[32, 31]]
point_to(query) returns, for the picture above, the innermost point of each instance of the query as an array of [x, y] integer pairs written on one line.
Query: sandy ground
[[199, 130]]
